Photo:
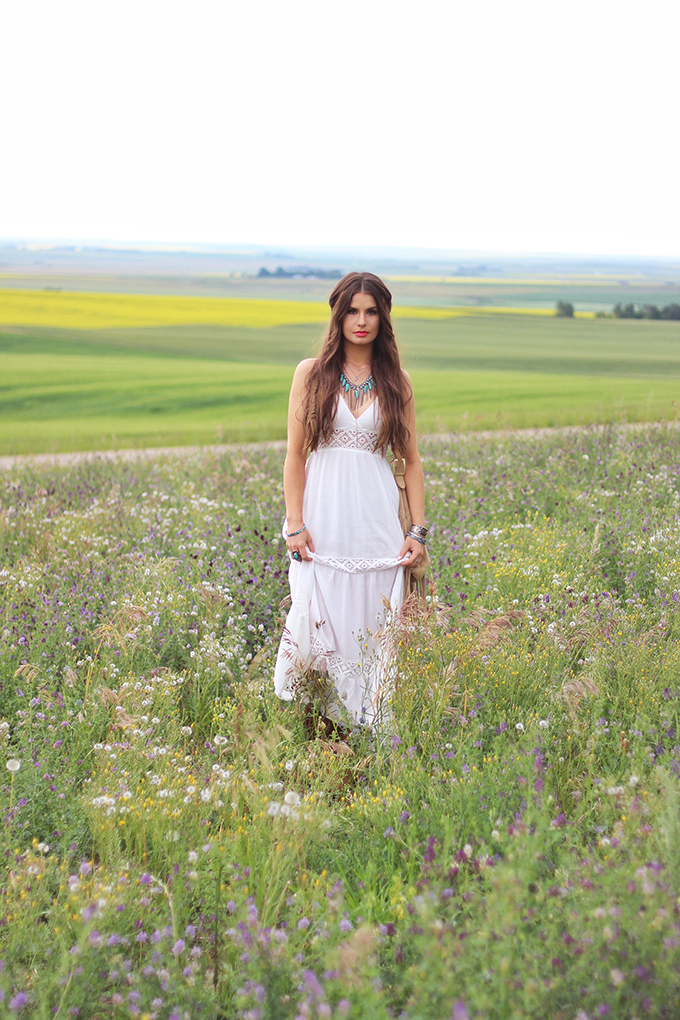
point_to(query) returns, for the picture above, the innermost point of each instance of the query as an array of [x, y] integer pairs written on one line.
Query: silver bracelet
[[294, 533], [419, 529]]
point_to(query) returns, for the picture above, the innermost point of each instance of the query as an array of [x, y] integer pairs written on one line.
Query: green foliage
[[629, 311], [564, 310]]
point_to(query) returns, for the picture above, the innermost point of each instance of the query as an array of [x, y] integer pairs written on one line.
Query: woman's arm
[[294, 465], [413, 476]]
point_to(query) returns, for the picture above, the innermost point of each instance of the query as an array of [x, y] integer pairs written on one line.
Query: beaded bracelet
[[294, 533], [418, 538]]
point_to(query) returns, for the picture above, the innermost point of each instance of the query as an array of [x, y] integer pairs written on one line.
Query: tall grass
[[506, 846]]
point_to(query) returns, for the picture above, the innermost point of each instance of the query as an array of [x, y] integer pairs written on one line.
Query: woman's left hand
[[411, 552]]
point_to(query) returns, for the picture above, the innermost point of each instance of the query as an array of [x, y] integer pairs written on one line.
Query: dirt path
[[65, 459]]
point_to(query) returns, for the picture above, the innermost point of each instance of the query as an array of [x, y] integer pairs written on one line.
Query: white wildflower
[[292, 798]]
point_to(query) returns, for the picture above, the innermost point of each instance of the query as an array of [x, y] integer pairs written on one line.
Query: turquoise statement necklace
[[356, 393]]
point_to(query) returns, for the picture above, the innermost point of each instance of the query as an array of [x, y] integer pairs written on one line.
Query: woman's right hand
[[301, 544]]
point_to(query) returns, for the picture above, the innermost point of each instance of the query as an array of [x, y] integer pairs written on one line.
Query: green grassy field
[[59, 403], [67, 389], [519, 343]]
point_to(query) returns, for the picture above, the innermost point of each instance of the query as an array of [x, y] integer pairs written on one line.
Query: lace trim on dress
[[351, 439], [337, 668], [348, 674], [355, 566], [351, 679]]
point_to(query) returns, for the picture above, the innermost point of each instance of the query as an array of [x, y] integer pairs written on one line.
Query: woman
[[348, 408]]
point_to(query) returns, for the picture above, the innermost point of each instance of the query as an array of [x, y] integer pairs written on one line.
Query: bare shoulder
[[407, 384], [303, 370], [301, 375], [299, 384]]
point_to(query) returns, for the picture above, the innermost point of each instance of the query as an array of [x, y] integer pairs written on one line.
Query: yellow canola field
[[93, 310]]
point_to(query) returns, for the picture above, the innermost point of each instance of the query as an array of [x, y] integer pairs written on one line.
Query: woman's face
[[361, 323]]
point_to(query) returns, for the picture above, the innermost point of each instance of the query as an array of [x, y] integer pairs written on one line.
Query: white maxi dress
[[344, 599]]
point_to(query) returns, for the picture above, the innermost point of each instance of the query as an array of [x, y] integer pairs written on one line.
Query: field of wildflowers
[[176, 844]]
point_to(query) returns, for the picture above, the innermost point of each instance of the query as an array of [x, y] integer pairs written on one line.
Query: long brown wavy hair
[[323, 386]]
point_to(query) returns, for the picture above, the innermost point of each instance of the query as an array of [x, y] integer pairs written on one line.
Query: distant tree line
[[565, 310], [300, 273], [646, 312]]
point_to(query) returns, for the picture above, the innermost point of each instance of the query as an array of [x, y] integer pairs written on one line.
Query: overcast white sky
[[525, 126]]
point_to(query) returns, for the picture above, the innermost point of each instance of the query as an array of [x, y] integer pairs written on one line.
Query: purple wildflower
[[431, 851], [312, 984]]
